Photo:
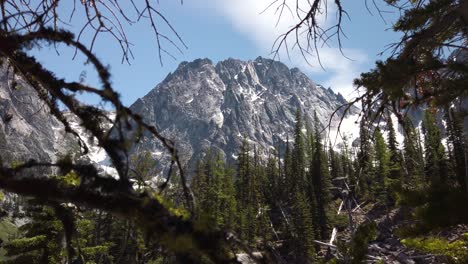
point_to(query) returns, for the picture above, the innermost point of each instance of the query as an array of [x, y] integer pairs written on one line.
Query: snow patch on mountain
[[348, 130], [96, 154], [218, 119]]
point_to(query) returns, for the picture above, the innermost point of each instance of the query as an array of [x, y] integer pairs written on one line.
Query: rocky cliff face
[[26, 128], [213, 106], [29, 131]]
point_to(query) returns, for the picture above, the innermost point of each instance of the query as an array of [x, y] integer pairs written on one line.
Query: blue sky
[[218, 30]]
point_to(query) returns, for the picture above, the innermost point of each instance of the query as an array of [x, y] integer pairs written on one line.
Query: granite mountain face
[[27, 130], [200, 106], [204, 106]]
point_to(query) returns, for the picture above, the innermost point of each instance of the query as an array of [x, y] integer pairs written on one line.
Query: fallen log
[[324, 244], [335, 247], [333, 235], [339, 208]]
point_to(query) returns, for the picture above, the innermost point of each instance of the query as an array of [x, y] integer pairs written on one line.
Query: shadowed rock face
[[29, 131], [204, 105], [26, 127]]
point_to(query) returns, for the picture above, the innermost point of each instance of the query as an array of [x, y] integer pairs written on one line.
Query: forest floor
[[445, 245]]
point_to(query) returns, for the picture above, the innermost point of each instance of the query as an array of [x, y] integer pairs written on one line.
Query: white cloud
[[257, 19], [246, 16], [341, 70]]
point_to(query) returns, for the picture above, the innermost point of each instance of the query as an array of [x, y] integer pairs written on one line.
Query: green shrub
[[456, 251], [433, 209]]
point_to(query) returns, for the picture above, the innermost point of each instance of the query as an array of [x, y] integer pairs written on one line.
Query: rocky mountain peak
[[200, 106], [205, 106]]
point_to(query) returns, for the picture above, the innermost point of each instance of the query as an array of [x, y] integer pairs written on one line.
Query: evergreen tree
[[54, 234], [298, 155], [248, 193], [304, 229], [228, 199], [214, 188], [242, 181], [275, 194], [254, 200], [435, 163], [382, 170], [321, 181], [347, 162], [41, 240], [274, 188], [302, 205], [311, 193], [413, 159], [264, 231], [364, 165], [395, 174], [243, 173], [457, 142], [288, 169], [200, 185], [311, 181], [336, 164], [310, 147], [209, 205]]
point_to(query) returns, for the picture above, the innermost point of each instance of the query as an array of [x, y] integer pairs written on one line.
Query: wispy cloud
[[263, 28], [340, 70]]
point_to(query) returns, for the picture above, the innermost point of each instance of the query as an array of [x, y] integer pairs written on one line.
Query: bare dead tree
[[94, 18], [308, 34]]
